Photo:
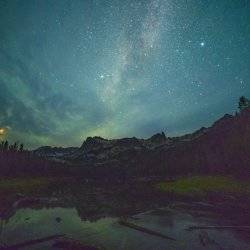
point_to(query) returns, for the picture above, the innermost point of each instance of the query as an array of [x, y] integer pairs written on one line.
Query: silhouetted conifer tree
[[6, 145], [21, 147], [243, 103]]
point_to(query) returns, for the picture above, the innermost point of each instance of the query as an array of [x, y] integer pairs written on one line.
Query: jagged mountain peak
[[223, 144]]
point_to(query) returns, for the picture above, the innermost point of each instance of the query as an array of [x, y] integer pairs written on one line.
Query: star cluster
[[72, 69]]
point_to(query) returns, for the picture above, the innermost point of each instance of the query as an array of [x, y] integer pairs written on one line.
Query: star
[[103, 57], [202, 44]]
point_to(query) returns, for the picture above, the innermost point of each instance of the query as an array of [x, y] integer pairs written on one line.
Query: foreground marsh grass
[[199, 186], [27, 185]]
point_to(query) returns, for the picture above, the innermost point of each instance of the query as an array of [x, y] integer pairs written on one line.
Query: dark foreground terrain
[[200, 212], [188, 192]]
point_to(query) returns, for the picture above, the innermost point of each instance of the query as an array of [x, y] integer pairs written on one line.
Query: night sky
[[72, 69]]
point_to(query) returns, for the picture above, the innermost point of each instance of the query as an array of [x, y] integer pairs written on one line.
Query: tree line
[[6, 146]]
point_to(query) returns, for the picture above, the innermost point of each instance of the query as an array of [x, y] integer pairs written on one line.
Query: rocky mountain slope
[[223, 147], [97, 149]]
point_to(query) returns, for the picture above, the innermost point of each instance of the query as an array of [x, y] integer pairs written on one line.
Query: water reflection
[[90, 214], [107, 233]]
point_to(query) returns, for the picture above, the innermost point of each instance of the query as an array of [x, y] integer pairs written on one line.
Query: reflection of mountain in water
[[108, 233], [93, 201]]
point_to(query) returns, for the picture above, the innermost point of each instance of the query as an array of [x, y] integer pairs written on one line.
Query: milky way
[[72, 69]]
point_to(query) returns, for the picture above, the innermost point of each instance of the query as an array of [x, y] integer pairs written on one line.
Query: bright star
[[202, 44]]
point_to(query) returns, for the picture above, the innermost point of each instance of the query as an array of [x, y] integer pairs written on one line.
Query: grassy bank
[[27, 185], [201, 186]]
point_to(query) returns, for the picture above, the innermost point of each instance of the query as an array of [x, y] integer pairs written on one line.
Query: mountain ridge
[[218, 148]]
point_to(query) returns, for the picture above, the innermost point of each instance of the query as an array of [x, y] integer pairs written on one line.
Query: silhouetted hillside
[[221, 148]]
